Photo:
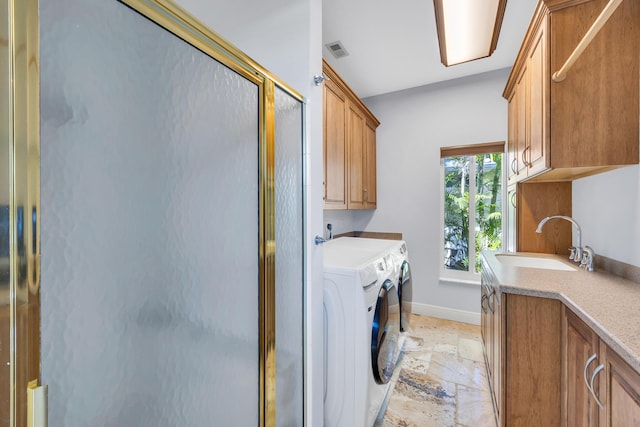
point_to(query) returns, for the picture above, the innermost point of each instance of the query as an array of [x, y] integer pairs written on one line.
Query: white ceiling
[[393, 45]]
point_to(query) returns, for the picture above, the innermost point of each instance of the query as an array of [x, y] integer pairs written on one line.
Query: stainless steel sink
[[530, 261]]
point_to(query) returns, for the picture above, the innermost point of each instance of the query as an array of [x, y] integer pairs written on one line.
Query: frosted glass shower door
[[289, 260], [150, 225]]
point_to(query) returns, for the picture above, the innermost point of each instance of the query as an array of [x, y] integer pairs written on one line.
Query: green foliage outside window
[[487, 222]]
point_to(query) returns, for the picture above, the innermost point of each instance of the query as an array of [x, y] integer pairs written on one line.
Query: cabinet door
[[595, 110], [484, 322], [489, 337], [528, 131], [619, 392], [537, 146], [496, 374], [370, 181], [512, 200], [532, 371], [335, 121], [521, 99], [512, 142], [485, 280], [580, 346], [355, 158]]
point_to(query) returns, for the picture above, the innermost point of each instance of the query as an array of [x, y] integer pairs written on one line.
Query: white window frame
[[469, 277]]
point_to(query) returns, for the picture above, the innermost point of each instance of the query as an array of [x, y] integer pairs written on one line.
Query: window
[[472, 173]]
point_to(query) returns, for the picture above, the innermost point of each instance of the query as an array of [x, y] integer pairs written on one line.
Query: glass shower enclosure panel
[[150, 225], [289, 260], [5, 302]]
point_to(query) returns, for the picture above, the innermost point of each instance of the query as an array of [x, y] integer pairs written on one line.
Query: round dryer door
[[385, 333], [405, 294]]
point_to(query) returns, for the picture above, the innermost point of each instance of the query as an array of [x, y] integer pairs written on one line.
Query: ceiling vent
[[337, 49]]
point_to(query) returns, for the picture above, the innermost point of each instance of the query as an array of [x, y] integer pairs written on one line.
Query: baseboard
[[463, 316]]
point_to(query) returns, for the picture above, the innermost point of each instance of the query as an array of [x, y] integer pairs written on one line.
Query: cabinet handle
[[593, 392], [524, 156], [513, 166], [366, 193], [586, 366], [491, 299], [513, 199]]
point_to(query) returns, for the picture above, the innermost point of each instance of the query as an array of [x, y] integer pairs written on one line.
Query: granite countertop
[[609, 304]]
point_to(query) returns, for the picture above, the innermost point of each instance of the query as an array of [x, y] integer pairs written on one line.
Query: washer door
[[405, 294], [385, 333]]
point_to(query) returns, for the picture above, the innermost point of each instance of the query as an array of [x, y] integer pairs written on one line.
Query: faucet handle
[[585, 260], [578, 254], [588, 259], [572, 255]]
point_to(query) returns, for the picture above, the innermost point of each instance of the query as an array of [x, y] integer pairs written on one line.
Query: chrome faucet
[[576, 255]]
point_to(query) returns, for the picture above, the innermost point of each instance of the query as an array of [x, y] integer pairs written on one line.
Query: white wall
[[607, 207], [415, 123], [343, 221], [285, 37], [277, 34]]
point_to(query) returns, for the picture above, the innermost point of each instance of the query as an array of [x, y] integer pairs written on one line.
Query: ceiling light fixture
[[468, 29]]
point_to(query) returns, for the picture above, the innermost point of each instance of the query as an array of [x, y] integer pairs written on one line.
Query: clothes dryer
[[405, 286], [362, 328]]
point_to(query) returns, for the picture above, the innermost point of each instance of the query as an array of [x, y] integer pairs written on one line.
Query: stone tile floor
[[442, 378]]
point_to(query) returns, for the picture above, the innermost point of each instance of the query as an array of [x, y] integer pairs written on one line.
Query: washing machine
[[361, 328], [386, 345]]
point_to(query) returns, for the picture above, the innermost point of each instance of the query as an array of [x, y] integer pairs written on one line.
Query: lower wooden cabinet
[[599, 388], [579, 354], [619, 391], [521, 336], [546, 367], [532, 369], [491, 321]]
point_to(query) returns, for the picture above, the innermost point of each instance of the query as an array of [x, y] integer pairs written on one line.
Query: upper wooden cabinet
[[355, 159], [587, 123], [370, 179], [528, 142], [349, 147], [334, 147]]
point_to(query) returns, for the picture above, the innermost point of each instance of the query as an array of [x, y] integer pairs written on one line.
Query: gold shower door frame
[[20, 148], [19, 74]]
